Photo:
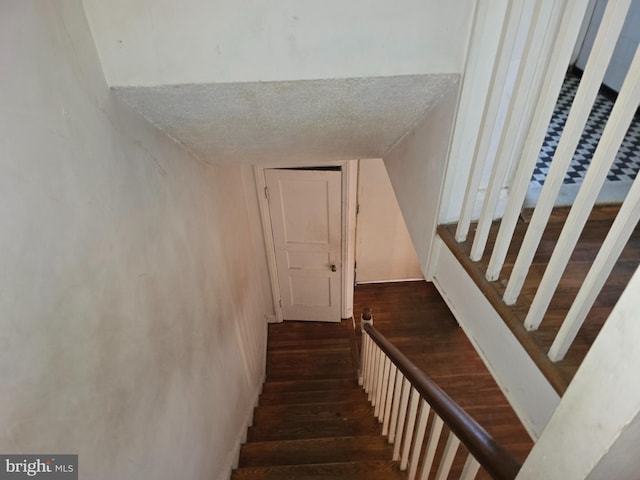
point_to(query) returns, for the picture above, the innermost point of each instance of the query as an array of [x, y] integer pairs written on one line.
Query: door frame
[[349, 172]]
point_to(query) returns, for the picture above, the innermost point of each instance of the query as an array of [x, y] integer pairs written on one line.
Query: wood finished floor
[[561, 373], [413, 316], [313, 420]]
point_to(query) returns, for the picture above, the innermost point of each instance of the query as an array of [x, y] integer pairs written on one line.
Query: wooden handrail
[[494, 458]]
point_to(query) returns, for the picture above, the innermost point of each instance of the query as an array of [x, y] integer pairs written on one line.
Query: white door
[[306, 220]]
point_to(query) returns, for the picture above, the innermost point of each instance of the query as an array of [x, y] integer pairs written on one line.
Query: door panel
[[305, 207]]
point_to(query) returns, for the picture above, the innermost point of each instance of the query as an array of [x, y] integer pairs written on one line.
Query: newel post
[[365, 317]]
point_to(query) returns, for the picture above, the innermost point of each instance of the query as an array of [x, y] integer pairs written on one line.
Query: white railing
[[551, 36], [406, 402]]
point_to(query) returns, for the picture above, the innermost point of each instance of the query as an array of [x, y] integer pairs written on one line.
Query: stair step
[[320, 396], [309, 385], [294, 344], [310, 412], [314, 450], [282, 428], [298, 365], [370, 470]]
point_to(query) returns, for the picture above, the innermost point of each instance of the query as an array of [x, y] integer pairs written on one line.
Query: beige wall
[[416, 167], [384, 251], [132, 292], [147, 42]]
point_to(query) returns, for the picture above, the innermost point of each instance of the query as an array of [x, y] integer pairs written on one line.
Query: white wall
[[384, 251], [625, 48], [131, 294], [595, 430], [146, 42], [416, 167]]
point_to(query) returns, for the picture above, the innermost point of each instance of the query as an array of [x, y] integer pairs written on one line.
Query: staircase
[[313, 420]]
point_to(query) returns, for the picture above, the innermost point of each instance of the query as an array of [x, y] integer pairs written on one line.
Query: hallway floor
[[625, 166], [414, 317]]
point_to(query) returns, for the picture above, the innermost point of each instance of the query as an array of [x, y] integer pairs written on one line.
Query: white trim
[[393, 280], [265, 216], [349, 170], [529, 393], [234, 454], [349, 205]]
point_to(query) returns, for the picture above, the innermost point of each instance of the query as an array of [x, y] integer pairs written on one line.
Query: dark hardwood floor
[[313, 420], [413, 316], [538, 342]]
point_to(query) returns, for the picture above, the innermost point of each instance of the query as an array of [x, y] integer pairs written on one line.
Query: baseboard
[[394, 280], [241, 438]]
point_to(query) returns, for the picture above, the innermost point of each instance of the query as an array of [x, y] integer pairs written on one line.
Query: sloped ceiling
[[290, 121]]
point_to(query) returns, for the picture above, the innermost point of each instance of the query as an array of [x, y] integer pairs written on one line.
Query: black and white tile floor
[[627, 163]]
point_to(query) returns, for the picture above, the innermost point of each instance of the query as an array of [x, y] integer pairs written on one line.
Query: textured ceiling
[[290, 121]]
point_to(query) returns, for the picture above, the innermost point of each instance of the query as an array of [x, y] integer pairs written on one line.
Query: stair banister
[[493, 458]]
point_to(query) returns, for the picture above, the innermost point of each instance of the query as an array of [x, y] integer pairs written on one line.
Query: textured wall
[[132, 287], [305, 120]]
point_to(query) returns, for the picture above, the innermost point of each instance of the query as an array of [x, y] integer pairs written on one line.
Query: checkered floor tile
[[627, 162]]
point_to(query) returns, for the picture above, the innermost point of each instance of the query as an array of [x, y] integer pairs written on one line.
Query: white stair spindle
[[366, 348], [449, 454], [561, 53], [606, 38], [525, 96], [432, 445], [374, 374], [384, 390], [419, 439], [408, 433], [612, 247], [387, 407], [491, 123], [470, 469], [397, 393], [402, 417], [612, 137], [381, 394]]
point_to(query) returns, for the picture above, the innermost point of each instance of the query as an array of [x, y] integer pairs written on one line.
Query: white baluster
[[447, 457], [374, 374], [390, 394], [432, 445], [612, 247], [397, 393], [612, 137], [367, 369], [535, 52], [470, 469], [419, 439], [382, 396], [606, 38], [491, 123], [572, 18], [408, 434], [402, 416], [379, 382]]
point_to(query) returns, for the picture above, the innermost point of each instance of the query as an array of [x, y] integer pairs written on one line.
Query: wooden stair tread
[[367, 470], [314, 450], [330, 427], [311, 412], [321, 396], [298, 385]]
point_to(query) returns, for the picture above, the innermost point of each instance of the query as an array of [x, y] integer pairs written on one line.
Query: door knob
[[333, 268]]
